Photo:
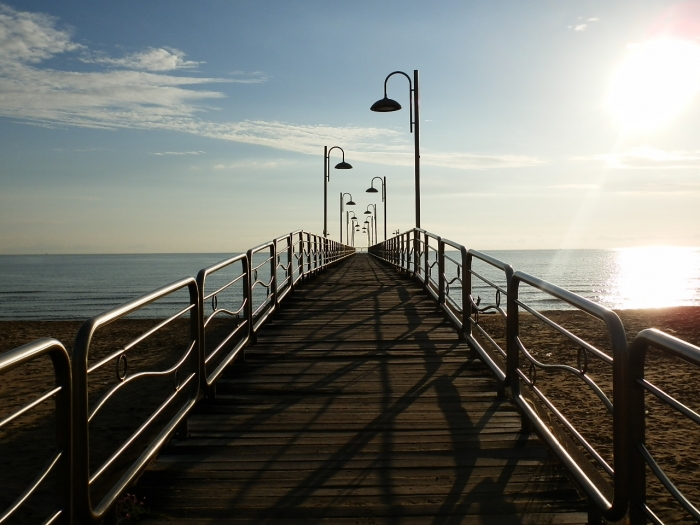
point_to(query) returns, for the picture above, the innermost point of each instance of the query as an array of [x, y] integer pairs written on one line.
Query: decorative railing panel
[[656, 456], [224, 295], [568, 353], [133, 386], [16, 421]]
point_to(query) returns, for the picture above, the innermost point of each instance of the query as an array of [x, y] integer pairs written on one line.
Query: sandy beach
[[672, 439]]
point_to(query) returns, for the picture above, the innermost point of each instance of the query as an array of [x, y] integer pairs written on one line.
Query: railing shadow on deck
[[381, 427], [102, 442], [606, 459]]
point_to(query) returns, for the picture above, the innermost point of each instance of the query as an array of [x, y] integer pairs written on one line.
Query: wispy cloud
[[582, 26], [647, 158], [575, 187], [139, 91], [254, 164], [31, 37], [465, 161], [162, 153], [161, 59], [253, 77]]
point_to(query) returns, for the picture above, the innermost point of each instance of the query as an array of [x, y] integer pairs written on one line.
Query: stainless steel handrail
[[640, 455], [239, 335], [596, 489], [61, 460], [82, 412]]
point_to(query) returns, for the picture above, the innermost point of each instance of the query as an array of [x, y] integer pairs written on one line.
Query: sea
[[78, 287]]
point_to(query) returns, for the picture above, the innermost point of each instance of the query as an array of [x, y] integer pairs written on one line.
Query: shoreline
[[682, 322]]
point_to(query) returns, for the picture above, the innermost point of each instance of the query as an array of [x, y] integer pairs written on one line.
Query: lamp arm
[[410, 94], [328, 160]]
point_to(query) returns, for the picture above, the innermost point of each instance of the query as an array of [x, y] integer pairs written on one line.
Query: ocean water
[[53, 287]]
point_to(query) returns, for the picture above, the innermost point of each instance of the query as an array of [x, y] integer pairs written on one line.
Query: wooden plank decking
[[359, 404]]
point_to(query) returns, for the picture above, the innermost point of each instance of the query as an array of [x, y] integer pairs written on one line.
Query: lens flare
[[656, 82]]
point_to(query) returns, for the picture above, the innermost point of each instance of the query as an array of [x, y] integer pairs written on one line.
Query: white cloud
[[161, 59], [254, 77], [31, 37], [576, 187], [135, 93], [255, 164], [593, 20], [647, 158], [580, 27], [162, 153]]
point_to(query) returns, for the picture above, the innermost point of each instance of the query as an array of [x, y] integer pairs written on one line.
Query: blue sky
[[199, 126]]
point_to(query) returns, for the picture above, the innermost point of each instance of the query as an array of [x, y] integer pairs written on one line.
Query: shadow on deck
[[359, 404]]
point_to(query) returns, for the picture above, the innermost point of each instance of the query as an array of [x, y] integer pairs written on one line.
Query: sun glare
[[656, 82], [655, 277]]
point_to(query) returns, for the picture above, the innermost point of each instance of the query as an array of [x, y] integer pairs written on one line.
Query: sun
[[655, 83]]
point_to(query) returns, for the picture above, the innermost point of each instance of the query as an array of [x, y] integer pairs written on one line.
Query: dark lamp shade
[[343, 166], [372, 190], [368, 212], [386, 104], [350, 203]]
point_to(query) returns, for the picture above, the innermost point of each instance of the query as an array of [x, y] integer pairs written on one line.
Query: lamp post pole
[[326, 178], [387, 104], [349, 203], [367, 212], [347, 222], [372, 189]]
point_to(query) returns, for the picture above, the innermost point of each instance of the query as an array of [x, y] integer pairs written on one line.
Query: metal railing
[[213, 319], [60, 462], [611, 474], [521, 375], [183, 374], [641, 456]]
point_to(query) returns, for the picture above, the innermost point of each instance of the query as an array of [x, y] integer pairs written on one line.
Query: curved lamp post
[[372, 189], [386, 104], [349, 203], [365, 230], [367, 212], [326, 177], [348, 219], [354, 228]]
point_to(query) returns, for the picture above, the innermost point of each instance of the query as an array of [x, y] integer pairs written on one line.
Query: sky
[[177, 126]]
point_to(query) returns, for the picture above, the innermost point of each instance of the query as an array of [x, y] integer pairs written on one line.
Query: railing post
[[273, 275], [512, 332], [403, 251], [290, 258], [466, 292], [416, 253], [637, 430], [426, 257], [248, 285], [441, 270]]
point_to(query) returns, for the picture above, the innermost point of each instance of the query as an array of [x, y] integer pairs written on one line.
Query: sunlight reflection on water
[[654, 277]]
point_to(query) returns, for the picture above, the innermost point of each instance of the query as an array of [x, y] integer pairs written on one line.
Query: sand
[[672, 439]]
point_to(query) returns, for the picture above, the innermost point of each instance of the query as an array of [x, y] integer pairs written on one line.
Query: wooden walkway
[[358, 405]]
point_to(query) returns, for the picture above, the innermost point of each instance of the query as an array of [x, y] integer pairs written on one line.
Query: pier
[[359, 401], [305, 382]]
